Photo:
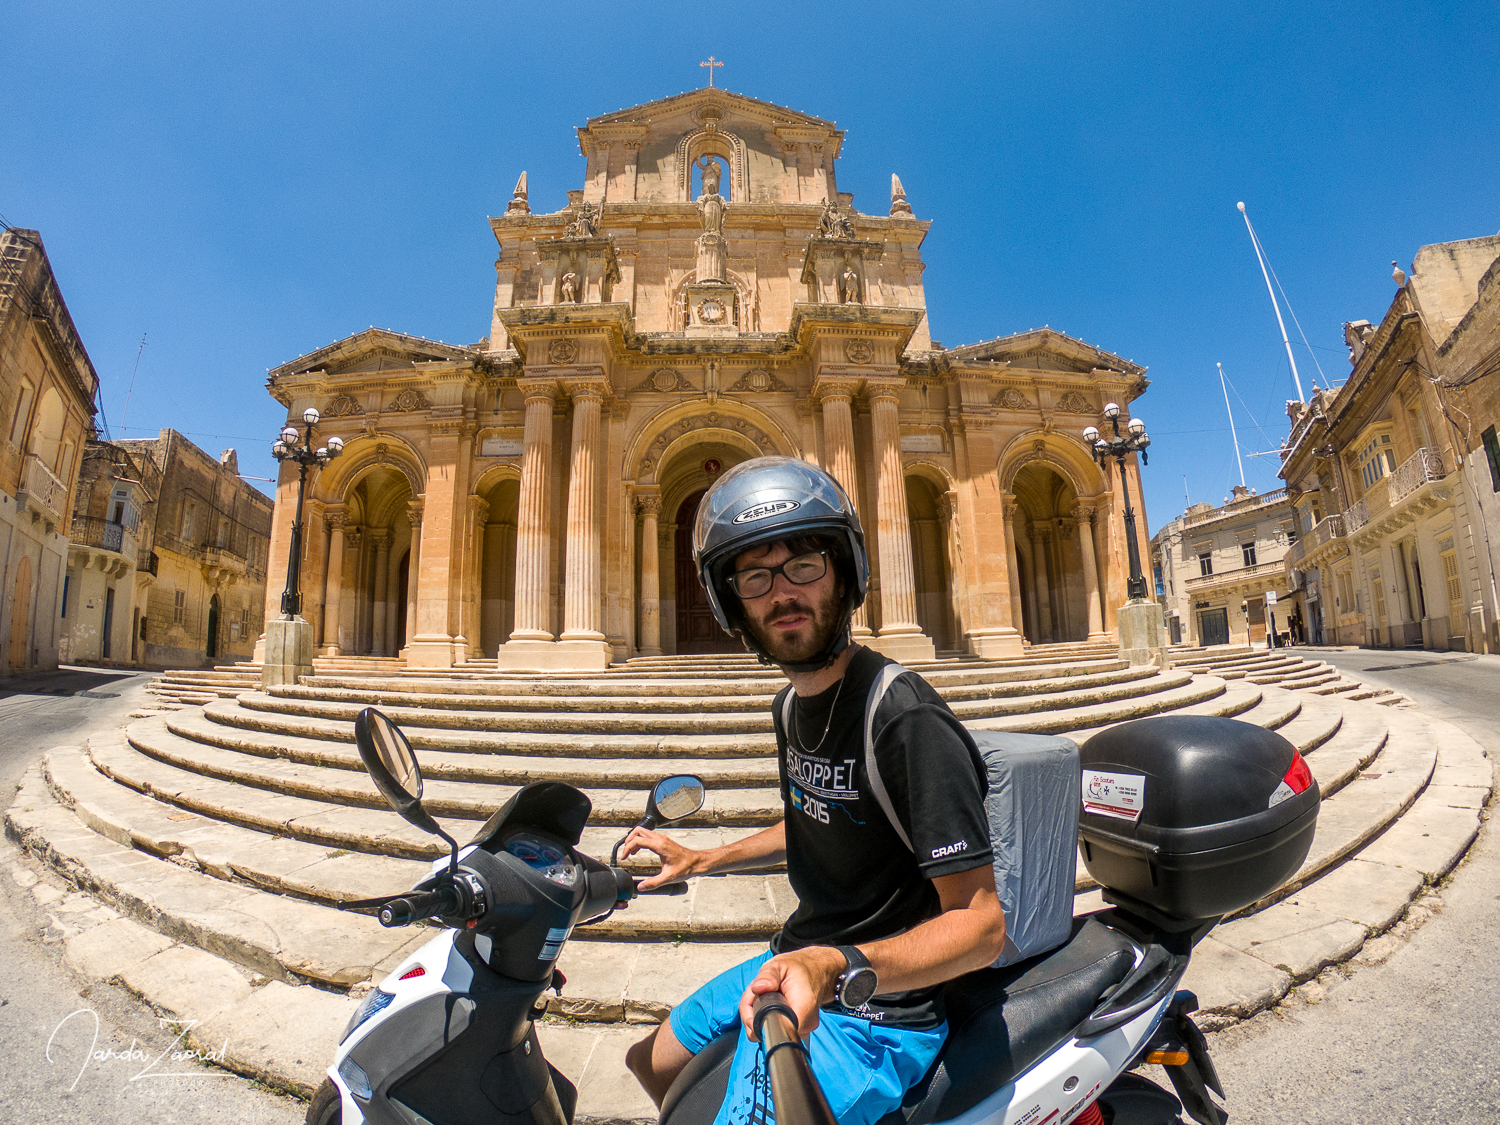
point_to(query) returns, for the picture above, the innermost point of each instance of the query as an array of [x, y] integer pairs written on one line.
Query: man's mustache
[[792, 609]]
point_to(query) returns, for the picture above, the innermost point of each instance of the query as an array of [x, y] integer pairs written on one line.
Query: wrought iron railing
[[1425, 465], [1356, 517], [42, 489], [1326, 529], [91, 531], [149, 562]]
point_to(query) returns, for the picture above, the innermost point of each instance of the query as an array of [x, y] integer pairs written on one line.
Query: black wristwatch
[[857, 983]]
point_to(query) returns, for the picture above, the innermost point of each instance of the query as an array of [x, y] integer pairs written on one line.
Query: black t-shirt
[[856, 879]]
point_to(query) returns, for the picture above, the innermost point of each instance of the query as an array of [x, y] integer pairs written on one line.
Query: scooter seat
[[1002, 1021], [698, 1092]]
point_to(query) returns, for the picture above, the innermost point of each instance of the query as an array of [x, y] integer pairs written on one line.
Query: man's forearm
[[953, 943], [760, 850]]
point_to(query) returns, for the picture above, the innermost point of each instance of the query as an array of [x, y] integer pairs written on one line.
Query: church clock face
[[711, 311]]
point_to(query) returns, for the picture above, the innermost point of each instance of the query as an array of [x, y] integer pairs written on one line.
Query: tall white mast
[[1225, 388], [1259, 257]]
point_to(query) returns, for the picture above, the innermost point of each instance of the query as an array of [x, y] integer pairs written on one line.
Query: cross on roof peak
[[711, 63]]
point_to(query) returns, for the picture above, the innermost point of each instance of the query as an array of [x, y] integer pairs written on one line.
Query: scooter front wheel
[[327, 1106]]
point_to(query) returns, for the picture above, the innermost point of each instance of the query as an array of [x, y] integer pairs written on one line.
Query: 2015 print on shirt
[[819, 784]]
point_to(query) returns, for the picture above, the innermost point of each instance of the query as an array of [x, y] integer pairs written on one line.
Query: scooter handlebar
[[405, 911], [795, 1090]]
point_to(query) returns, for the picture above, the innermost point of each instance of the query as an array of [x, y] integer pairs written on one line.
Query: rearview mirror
[[392, 765], [673, 798]]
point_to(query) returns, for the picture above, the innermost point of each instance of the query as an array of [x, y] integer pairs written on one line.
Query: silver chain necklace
[[796, 735]]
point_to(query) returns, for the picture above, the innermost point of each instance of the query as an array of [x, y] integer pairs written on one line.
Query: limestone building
[[108, 569], [201, 563], [1390, 473], [1215, 567], [707, 295], [47, 389]]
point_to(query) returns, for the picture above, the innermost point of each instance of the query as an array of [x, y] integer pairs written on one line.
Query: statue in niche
[[711, 203], [849, 284], [833, 223], [570, 288], [586, 223]]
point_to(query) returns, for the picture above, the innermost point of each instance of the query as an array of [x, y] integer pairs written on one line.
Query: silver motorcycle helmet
[[763, 500]]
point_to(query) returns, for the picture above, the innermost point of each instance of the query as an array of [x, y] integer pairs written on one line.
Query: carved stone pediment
[[1075, 403], [408, 400], [665, 380], [342, 406], [1045, 359], [758, 381]]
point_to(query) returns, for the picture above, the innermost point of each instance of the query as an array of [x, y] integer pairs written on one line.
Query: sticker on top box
[[1120, 795]]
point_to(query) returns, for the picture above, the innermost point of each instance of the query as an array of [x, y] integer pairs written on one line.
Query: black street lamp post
[[293, 446], [1118, 447]]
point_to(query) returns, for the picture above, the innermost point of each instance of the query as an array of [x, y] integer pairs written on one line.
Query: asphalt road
[[54, 1068], [1412, 1039]]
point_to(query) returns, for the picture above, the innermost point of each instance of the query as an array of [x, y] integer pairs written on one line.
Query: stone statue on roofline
[[833, 223], [585, 224]]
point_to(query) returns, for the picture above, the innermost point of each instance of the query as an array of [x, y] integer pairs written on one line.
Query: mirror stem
[[453, 852]]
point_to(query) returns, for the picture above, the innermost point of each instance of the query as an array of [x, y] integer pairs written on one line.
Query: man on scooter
[[887, 911]]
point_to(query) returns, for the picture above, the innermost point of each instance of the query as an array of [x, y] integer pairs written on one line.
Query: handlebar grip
[[405, 911]]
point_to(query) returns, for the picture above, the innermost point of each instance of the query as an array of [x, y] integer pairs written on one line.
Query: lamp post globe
[[298, 447], [311, 416]]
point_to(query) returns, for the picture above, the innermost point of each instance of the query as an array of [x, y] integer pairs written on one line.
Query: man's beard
[[811, 641]]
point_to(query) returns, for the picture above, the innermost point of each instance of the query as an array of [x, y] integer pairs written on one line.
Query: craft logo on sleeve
[[1121, 795]]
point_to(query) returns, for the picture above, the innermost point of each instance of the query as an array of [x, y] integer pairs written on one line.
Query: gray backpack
[[1032, 805]]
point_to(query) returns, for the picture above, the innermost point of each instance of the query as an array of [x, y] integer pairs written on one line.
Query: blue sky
[[245, 183]]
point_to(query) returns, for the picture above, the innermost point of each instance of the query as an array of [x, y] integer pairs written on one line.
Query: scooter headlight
[[355, 1078], [376, 1001]]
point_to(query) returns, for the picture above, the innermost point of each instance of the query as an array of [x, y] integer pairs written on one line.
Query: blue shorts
[[864, 1068]]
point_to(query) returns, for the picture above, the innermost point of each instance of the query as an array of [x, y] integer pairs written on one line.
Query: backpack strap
[[787, 696], [888, 675]]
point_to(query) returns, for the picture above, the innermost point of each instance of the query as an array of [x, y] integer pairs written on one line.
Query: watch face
[[858, 987]]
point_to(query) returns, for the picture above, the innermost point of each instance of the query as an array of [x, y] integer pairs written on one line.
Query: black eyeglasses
[[757, 581]]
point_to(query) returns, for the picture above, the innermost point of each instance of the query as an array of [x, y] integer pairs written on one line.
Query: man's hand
[[806, 978], [677, 862]]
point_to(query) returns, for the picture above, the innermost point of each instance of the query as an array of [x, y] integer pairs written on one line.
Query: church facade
[[708, 295]]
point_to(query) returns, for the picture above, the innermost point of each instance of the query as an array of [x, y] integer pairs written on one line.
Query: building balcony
[[1325, 538], [103, 535], [221, 562], [1398, 499], [42, 494], [148, 564], [1244, 580], [1237, 509]]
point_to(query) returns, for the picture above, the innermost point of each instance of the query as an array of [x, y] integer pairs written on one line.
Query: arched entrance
[[1049, 552], [376, 535], [697, 630], [930, 564], [497, 589], [20, 615], [211, 642]]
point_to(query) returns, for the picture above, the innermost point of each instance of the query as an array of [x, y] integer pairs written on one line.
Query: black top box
[[1194, 817]]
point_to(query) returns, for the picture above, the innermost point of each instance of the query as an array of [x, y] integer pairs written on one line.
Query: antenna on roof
[[1259, 257], [131, 388], [1224, 387]]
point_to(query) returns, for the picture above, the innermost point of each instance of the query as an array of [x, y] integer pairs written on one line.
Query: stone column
[[581, 610], [1012, 563], [1062, 531], [898, 592], [478, 513], [838, 448], [414, 569], [1043, 615], [392, 603], [649, 505], [382, 541], [533, 530], [1090, 572], [953, 565], [333, 582]]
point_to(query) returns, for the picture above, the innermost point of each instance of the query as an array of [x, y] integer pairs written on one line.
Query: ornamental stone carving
[[342, 406], [1012, 399], [1074, 403], [758, 381], [665, 380], [711, 420], [562, 351], [858, 351], [407, 401]]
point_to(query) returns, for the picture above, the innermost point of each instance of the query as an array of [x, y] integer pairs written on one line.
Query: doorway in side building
[[211, 644], [1213, 627]]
